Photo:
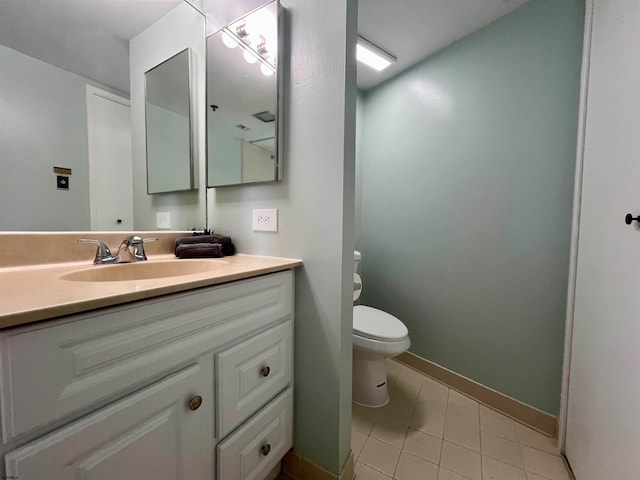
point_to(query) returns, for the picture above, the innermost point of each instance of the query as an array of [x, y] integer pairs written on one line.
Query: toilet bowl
[[377, 335]]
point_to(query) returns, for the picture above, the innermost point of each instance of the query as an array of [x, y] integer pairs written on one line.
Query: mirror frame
[[193, 185], [279, 73]]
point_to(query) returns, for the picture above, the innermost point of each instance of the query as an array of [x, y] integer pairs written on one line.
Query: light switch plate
[[163, 220], [265, 220]]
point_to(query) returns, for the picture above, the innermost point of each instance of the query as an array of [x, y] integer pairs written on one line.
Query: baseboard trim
[[296, 467], [519, 411]]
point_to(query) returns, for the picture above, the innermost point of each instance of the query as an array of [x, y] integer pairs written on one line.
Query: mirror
[[60, 60], [243, 99], [168, 124]]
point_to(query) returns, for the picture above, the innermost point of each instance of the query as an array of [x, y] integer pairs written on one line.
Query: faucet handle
[[102, 252], [132, 240], [138, 246]]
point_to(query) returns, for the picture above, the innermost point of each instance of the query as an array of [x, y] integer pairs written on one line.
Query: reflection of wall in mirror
[[258, 163], [181, 28], [43, 124], [168, 147], [228, 148]]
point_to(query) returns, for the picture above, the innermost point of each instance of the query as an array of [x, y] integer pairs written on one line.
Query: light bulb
[[249, 57], [266, 71], [228, 40]]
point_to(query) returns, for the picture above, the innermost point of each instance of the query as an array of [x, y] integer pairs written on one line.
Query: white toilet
[[376, 335]]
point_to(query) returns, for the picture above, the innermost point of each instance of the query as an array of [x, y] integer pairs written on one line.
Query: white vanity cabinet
[[150, 434], [156, 389]]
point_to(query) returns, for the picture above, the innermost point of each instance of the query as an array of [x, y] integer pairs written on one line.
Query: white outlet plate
[[265, 220], [163, 220]]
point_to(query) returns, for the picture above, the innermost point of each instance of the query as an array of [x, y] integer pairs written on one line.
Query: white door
[[110, 161], [155, 434], [603, 415]]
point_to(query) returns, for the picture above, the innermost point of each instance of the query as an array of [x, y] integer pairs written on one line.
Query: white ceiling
[[411, 30], [90, 37]]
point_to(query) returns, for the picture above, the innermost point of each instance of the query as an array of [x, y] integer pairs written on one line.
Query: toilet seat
[[375, 324]]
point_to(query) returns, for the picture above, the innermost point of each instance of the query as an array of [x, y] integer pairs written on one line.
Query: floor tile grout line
[[481, 445], [526, 471], [446, 409], [415, 402], [401, 450], [405, 435], [522, 467]]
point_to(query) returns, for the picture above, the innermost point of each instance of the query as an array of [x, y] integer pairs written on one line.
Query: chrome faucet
[[131, 249]]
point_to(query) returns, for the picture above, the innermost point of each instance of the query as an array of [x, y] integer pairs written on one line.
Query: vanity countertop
[[32, 293]]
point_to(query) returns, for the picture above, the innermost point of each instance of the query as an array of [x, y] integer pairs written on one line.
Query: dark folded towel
[[228, 248], [199, 250]]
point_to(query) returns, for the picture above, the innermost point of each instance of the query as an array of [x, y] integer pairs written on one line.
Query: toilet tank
[[356, 260]]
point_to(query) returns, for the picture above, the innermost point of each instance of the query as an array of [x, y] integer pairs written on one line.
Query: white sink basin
[[148, 270]]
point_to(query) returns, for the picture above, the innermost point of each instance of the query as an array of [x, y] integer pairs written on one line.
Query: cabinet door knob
[[265, 371], [266, 449], [195, 402]]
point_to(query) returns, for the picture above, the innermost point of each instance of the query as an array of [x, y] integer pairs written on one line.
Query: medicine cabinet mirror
[[243, 99], [169, 125]]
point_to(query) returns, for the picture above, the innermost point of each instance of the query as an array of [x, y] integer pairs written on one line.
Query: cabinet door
[[154, 434], [252, 373]]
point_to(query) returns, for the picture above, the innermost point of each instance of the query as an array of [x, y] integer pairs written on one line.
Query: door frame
[[575, 224], [90, 93]]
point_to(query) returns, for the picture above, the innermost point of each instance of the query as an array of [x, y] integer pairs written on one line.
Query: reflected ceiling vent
[[244, 128], [265, 116]]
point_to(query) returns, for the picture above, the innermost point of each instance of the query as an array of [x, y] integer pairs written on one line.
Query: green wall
[[467, 182]]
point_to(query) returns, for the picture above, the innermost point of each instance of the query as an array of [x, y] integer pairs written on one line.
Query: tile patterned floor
[[429, 432]]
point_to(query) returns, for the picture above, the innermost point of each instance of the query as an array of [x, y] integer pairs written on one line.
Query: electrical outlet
[[163, 220], [265, 220]]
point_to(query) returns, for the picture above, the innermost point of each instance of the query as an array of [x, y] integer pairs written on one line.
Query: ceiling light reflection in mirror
[[256, 35], [243, 96]]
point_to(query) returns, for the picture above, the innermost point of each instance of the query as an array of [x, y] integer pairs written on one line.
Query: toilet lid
[[376, 324]]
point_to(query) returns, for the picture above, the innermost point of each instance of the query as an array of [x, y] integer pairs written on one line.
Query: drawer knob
[[266, 449], [195, 402], [265, 371]]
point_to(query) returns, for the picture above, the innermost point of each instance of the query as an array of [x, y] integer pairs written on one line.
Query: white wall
[[182, 27], [316, 218]]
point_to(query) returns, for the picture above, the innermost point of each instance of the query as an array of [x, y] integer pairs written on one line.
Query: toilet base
[[369, 382]]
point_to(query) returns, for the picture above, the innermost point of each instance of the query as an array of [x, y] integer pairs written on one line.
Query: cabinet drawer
[[152, 434], [251, 373], [252, 451], [52, 369]]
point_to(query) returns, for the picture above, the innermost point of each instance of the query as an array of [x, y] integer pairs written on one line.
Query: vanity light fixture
[[372, 55], [251, 34]]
